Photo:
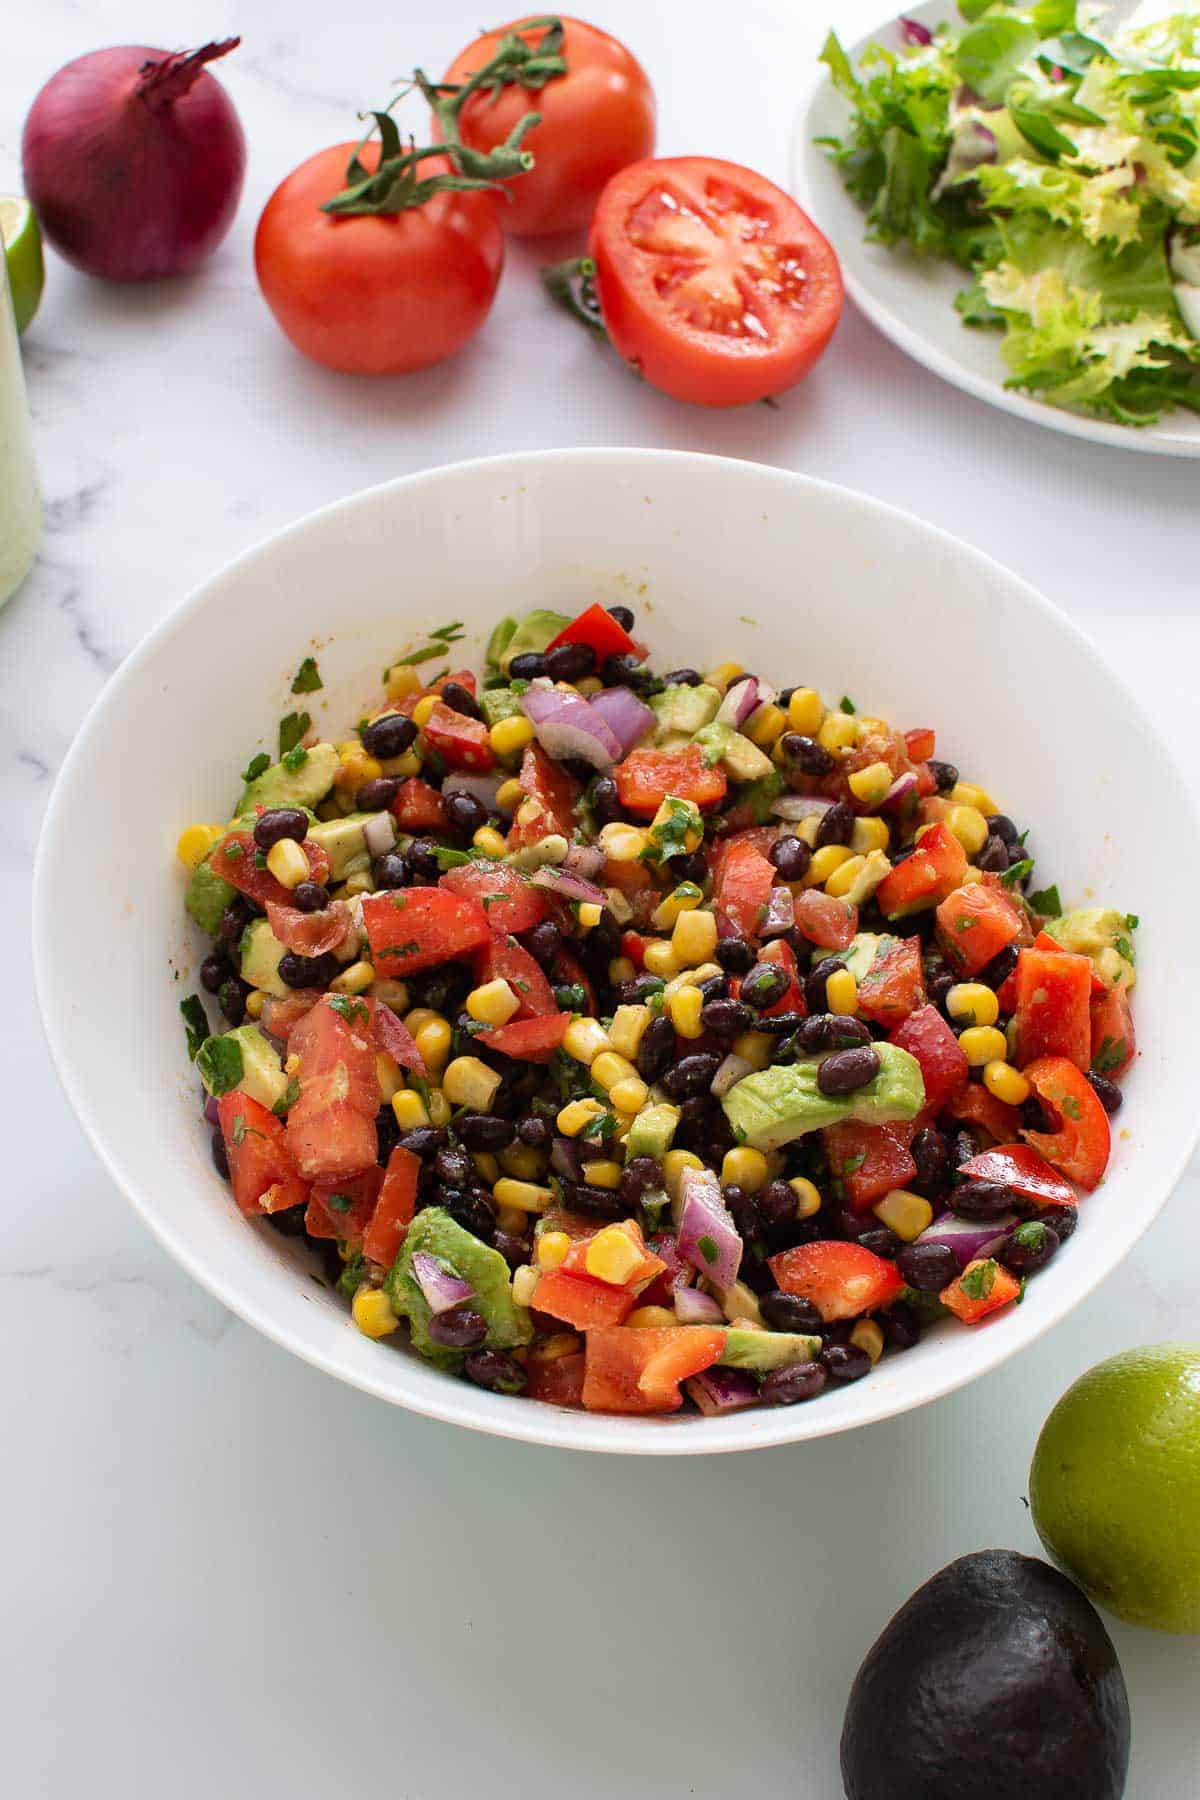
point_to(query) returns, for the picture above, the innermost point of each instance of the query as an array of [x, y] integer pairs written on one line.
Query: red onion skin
[[135, 172]]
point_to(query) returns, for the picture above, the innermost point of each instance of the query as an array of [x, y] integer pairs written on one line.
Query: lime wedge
[[23, 254]]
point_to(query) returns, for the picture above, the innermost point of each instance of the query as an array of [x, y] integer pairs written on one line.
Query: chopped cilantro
[[196, 1020], [570, 997], [652, 1205], [739, 1132], [846, 704], [238, 1132], [670, 836], [219, 1064], [292, 728], [965, 924], [351, 1277], [1017, 871], [401, 949], [260, 859], [521, 986], [451, 633], [1110, 1055], [492, 900], [349, 1007], [708, 1249], [519, 685], [599, 1128], [255, 766], [1047, 902], [287, 1099], [235, 852], [450, 859], [1031, 1236], [339, 1203], [399, 901], [979, 1280], [1132, 921], [308, 677], [295, 759], [853, 1163], [1124, 948]]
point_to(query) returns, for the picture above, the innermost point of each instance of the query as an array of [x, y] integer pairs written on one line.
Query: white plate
[[807, 581], [911, 298]]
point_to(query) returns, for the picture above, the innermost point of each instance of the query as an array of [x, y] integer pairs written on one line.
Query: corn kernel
[[195, 843], [969, 827], [982, 1044], [584, 1039], [288, 863], [724, 675], [621, 969], [695, 977], [808, 1196], [871, 784], [766, 724], [622, 843], [439, 1108], [681, 899], [552, 1248], [673, 1165], [904, 1213], [355, 979], [521, 1160], [494, 1003], [373, 1313], [841, 993], [694, 938], [576, 1115], [487, 1168], [972, 876], [292, 1065], [590, 915], [806, 710], [971, 1003], [845, 876], [869, 1337], [683, 1009], [390, 993], [612, 1256], [355, 767], [869, 834], [361, 882], [433, 1040], [629, 1095], [966, 793], [659, 958], [745, 1168], [389, 1075], [591, 684], [418, 1016], [807, 830], [650, 1318], [254, 1004], [526, 1196], [409, 1109], [754, 1047], [603, 1174], [509, 736], [838, 732], [524, 1282], [490, 841], [422, 712], [469, 1082], [608, 1068], [509, 795], [401, 681], [1006, 1083], [825, 860]]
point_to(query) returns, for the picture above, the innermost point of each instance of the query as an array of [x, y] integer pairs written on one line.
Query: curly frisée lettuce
[[1061, 168]]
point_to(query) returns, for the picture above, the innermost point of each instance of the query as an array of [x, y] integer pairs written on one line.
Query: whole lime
[[1115, 1485]]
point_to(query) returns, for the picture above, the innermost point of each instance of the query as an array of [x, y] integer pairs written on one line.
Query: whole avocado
[[995, 1681]]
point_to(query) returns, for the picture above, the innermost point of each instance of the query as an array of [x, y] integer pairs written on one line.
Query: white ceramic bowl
[[802, 580]]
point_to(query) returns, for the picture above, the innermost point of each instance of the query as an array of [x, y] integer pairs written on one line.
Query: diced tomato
[[313, 933], [926, 781], [235, 859], [394, 1208], [824, 921], [281, 1016], [944, 1068], [1080, 1147], [894, 985], [869, 1160], [841, 1280], [759, 837], [996, 1286], [633, 945], [505, 960], [528, 1040], [646, 777], [1054, 991], [1006, 993], [639, 1370], [346, 1204], [975, 1106], [1113, 1041], [261, 1172], [1022, 1169], [743, 888], [600, 632], [509, 899], [331, 1128], [920, 744], [558, 1380], [418, 927], [580, 1301], [554, 792], [419, 807], [461, 742], [974, 924], [935, 869], [780, 952]]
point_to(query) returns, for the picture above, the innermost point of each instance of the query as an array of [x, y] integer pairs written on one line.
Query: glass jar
[[20, 502]]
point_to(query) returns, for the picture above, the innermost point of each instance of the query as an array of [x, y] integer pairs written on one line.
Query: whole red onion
[[133, 159]]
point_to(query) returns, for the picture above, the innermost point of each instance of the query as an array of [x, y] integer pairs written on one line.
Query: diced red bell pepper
[[944, 1067], [841, 1280], [1080, 1147], [1021, 1168], [1053, 1007], [824, 921], [974, 924], [744, 888], [509, 899], [1114, 1043], [579, 1301], [528, 1040], [975, 1106], [597, 628], [331, 1130], [418, 807], [418, 927], [342, 1207], [558, 1380], [261, 1172], [792, 1000], [1006, 993], [548, 808], [935, 869], [646, 777], [639, 1370], [235, 860], [388, 1228], [870, 1160], [920, 744], [506, 960], [983, 1287], [461, 742], [894, 986]]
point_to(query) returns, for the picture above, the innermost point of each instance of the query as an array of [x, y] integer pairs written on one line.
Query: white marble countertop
[[223, 1573]]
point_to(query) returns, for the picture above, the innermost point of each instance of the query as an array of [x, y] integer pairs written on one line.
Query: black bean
[[1107, 1092], [927, 1267], [881, 1242], [389, 736], [624, 616], [726, 1019], [994, 855], [742, 1209], [845, 1362], [219, 1154], [791, 856], [452, 1164], [691, 866], [495, 1370], [816, 998], [391, 870], [981, 1200], [543, 941], [235, 918], [465, 813], [570, 662], [459, 1329], [566, 1159], [481, 1131], [625, 671], [944, 773], [640, 1176], [529, 666], [789, 1312], [931, 1153], [836, 826], [805, 755], [657, 1049], [683, 678], [1029, 1248], [423, 1140], [779, 1025], [310, 897], [231, 998], [997, 972], [764, 986], [690, 1075], [387, 1135], [459, 698], [214, 972], [847, 1070], [534, 1131], [474, 1210], [289, 1223], [776, 1204], [1002, 826], [715, 988], [1062, 1220], [734, 955], [596, 1202], [832, 1031], [606, 801], [901, 1326], [422, 859], [798, 1381], [278, 823], [377, 795], [939, 977], [308, 971]]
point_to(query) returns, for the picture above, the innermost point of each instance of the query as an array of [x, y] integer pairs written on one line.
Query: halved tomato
[[528, 1040], [841, 1280], [331, 1128], [261, 1171], [894, 985], [509, 899], [639, 1370], [824, 921], [553, 794], [418, 927], [646, 777], [461, 742]]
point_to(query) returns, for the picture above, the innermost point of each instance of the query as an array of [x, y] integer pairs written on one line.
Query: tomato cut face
[[646, 777], [393, 1214], [743, 888], [869, 1160], [261, 1171], [549, 804], [237, 860], [509, 899], [505, 960], [331, 1128], [416, 928], [419, 807], [712, 281], [462, 743], [529, 1040]]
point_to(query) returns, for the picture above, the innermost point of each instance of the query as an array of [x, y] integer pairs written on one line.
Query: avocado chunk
[[261, 951], [762, 1351], [434, 1231], [532, 634], [773, 1106], [306, 785], [651, 1132], [683, 708], [245, 1060], [1104, 936], [499, 703], [722, 744], [859, 956], [997, 1677], [760, 796], [208, 894], [343, 843], [499, 641]]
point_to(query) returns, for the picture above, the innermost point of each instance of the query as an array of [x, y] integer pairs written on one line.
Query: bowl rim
[[457, 1402]]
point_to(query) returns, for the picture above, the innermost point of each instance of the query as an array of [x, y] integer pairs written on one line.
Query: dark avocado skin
[[995, 1681]]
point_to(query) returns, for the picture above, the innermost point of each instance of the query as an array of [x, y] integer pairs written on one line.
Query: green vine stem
[[572, 285]]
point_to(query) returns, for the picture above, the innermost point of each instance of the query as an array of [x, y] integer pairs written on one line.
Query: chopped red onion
[[442, 1288], [900, 790], [483, 788], [967, 1238], [743, 698], [569, 887], [627, 717], [210, 1110], [584, 860], [706, 1235], [913, 32], [695, 1308], [722, 1390], [730, 1072], [567, 726], [780, 915], [379, 833], [800, 806]]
